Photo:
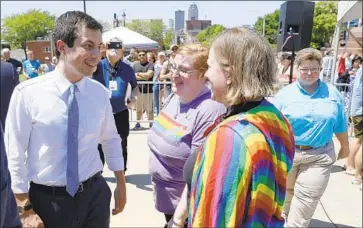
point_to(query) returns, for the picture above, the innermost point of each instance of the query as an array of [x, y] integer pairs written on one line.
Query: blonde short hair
[[199, 54], [249, 61], [308, 54]]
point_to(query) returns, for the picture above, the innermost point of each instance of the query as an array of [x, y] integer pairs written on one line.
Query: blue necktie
[[72, 143]]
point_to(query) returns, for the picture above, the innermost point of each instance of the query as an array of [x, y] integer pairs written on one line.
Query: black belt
[[62, 190], [304, 147]]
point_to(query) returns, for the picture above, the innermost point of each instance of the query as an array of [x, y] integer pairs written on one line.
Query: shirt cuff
[[116, 164], [20, 187]]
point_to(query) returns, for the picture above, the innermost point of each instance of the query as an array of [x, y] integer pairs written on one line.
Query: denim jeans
[[156, 90]]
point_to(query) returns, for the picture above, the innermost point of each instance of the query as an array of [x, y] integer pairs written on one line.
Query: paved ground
[[341, 203]]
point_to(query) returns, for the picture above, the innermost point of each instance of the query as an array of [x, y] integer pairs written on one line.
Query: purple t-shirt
[[176, 133]]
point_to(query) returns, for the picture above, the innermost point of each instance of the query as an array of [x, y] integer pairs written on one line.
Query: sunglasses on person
[[141, 55], [174, 49]]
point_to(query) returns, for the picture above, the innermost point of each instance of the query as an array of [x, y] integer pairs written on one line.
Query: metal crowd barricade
[[148, 104], [153, 102]]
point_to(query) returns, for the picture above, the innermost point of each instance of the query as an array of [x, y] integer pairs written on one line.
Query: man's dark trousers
[[88, 208], [123, 128]]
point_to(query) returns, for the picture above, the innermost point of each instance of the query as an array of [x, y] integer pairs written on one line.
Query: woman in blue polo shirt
[[316, 112]]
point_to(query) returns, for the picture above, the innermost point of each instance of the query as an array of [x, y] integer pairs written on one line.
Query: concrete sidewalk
[[341, 203]]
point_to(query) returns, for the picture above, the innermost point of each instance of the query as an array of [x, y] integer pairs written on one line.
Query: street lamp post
[[124, 18], [84, 6]]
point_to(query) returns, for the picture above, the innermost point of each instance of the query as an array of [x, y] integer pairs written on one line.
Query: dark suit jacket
[[9, 215], [9, 79]]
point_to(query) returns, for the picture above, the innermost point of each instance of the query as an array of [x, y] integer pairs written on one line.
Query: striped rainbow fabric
[[239, 177]]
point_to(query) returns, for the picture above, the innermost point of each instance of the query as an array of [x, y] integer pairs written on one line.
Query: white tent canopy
[[130, 39], [347, 11]]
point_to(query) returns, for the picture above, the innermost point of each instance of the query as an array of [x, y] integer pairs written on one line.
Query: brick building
[[41, 49], [193, 27]]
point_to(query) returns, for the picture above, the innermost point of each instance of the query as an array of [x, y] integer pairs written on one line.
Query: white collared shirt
[[36, 131]]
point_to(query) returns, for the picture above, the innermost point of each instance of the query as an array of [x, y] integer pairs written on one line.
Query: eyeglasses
[[311, 70], [141, 55], [180, 70]]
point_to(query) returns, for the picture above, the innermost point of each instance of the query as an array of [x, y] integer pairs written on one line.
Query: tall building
[[179, 20], [193, 12], [171, 24]]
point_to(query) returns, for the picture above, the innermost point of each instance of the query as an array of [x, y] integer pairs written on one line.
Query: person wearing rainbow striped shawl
[[237, 178]]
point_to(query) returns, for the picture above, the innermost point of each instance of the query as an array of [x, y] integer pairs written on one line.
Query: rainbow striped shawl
[[239, 177]]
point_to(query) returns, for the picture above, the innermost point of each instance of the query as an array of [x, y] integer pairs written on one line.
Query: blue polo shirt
[[30, 66], [313, 117], [124, 75]]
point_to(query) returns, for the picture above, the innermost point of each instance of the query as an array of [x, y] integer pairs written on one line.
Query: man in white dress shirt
[[54, 125]]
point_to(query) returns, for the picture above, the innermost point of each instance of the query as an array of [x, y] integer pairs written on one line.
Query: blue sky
[[227, 13]]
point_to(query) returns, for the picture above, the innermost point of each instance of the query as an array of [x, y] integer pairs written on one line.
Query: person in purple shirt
[[179, 129]]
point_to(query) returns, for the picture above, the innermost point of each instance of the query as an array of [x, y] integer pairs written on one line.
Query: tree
[[207, 35], [20, 28], [271, 26], [156, 30], [325, 15], [169, 37], [139, 26], [325, 20], [152, 29]]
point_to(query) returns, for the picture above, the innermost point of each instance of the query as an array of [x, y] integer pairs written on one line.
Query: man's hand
[[343, 153], [31, 219], [120, 198], [28, 218], [131, 104]]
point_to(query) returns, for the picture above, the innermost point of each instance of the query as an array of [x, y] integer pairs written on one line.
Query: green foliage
[[271, 26], [325, 20], [152, 29], [207, 35], [20, 28], [169, 36], [325, 15]]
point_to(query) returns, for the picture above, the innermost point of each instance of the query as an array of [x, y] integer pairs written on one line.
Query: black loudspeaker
[[299, 16]]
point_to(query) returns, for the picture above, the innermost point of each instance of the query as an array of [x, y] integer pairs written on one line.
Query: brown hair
[[249, 61], [308, 54], [152, 55], [199, 54]]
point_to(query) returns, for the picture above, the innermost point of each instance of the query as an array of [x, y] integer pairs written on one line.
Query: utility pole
[[84, 6]]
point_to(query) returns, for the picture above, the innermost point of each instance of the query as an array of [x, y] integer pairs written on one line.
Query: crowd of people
[[220, 153], [30, 67]]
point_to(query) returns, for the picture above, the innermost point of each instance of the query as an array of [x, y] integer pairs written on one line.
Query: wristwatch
[[25, 208]]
